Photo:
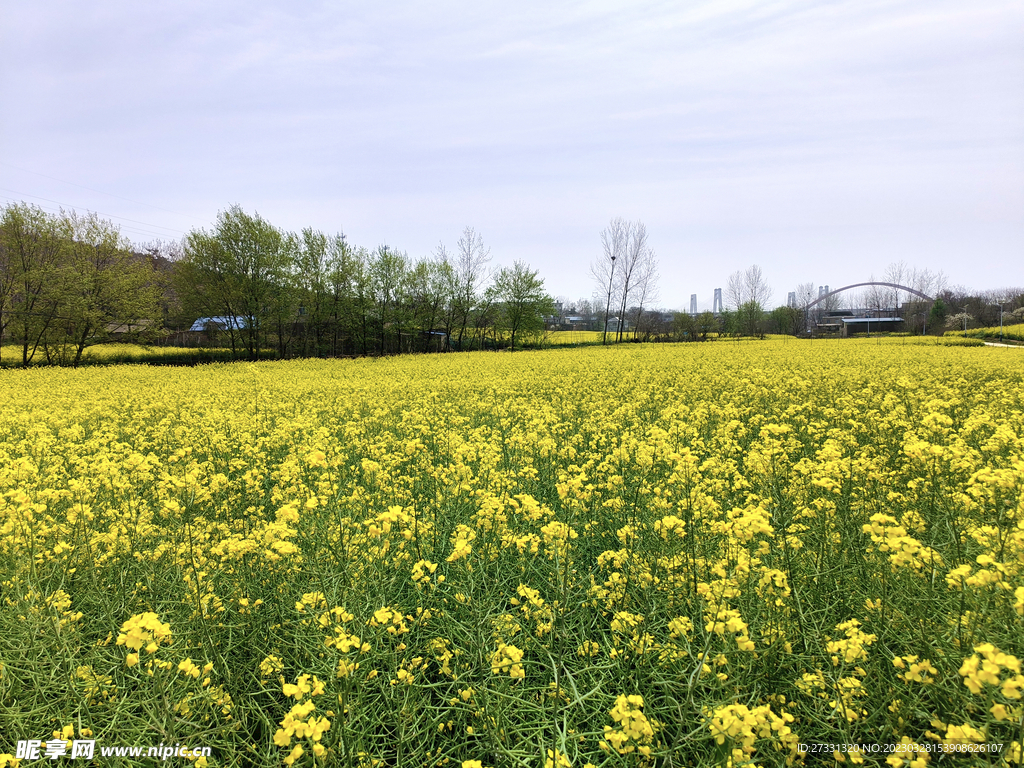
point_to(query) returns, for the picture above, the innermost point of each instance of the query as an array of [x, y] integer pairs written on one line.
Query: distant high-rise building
[[791, 300]]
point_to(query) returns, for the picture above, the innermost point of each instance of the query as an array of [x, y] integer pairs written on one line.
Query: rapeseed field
[[673, 555], [1009, 332]]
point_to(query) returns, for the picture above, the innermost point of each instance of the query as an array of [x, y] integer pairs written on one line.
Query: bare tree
[[748, 293], [584, 307], [999, 306], [931, 284], [734, 294], [921, 280], [896, 273], [805, 294], [746, 286], [875, 298], [831, 303], [635, 254], [928, 282], [470, 273], [170, 250], [646, 283], [625, 263], [613, 246]]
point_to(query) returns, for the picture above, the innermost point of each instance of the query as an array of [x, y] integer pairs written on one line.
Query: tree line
[[69, 281], [311, 294]]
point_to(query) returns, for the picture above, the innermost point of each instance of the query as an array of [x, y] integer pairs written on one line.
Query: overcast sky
[[819, 140]]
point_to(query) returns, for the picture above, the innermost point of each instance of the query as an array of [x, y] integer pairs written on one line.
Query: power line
[[122, 227], [101, 213], [98, 191], [135, 230]]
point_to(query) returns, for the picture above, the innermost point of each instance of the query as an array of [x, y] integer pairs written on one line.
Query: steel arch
[[861, 285]]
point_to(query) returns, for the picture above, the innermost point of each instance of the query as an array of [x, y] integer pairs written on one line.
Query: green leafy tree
[[33, 245], [101, 287], [207, 283], [389, 280], [728, 323], [428, 282], [357, 301], [704, 324], [683, 327], [785, 320], [311, 281], [750, 319], [239, 271], [522, 300], [937, 315], [445, 274], [68, 281]]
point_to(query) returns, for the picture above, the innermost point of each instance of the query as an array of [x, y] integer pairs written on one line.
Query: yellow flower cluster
[[902, 549], [270, 666], [508, 658], [143, 630], [461, 543], [303, 686], [984, 669], [742, 727], [393, 621], [854, 648], [915, 669], [633, 730], [301, 722], [188, 667], [422, 573]]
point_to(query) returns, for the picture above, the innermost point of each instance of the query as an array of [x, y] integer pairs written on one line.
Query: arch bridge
[[913, 291]]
